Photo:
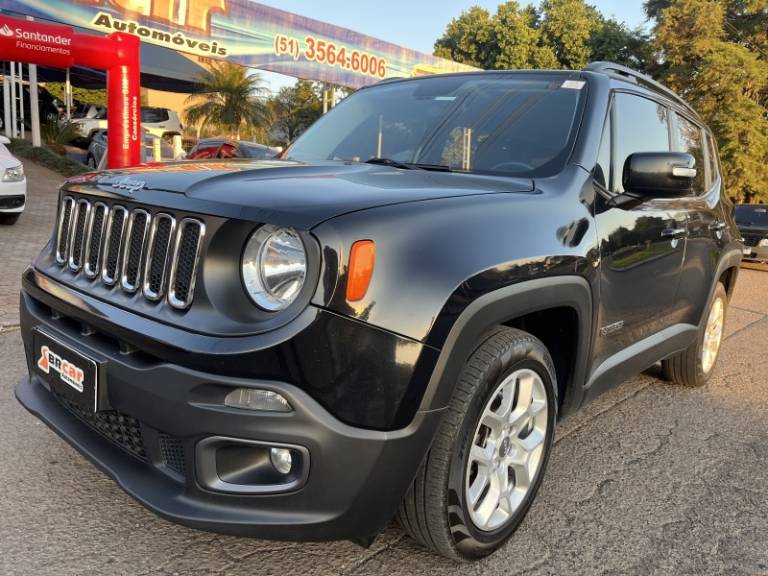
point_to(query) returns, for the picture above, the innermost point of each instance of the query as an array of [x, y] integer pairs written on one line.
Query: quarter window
[[602, 173], [712, 155], [689, 139], [642, 125]]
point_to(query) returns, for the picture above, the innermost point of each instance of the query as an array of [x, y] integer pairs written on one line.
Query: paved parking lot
[[650, 478]]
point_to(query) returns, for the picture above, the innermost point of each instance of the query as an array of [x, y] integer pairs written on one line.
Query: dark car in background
[[225, 148], [752, 220], [47, 104], [388, 320]]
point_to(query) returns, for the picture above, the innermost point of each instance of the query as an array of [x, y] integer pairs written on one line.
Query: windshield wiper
[[409, 165], [389, 162]]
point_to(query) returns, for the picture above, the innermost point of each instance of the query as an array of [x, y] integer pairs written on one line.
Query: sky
[[415, 23]]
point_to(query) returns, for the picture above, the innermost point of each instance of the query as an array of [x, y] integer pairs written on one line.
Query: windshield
[[513, 124]]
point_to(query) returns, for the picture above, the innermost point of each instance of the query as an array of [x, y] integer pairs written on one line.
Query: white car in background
[[13, 185], [160, 122], [155, 150]]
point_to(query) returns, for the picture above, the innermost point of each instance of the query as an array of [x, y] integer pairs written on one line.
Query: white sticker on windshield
[[573, 84], [447, 98]]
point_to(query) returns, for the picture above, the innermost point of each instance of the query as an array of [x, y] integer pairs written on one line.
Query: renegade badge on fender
[[389, 320]]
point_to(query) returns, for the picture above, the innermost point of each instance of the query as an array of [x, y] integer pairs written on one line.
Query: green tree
[[470, 39], [294, 109], [726, 81], [568, 26], [561, 34], [81, 95], [231, 100], [520, 40], [615, 42]]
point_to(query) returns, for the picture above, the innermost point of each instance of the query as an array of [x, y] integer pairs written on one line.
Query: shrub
[[46, 157]]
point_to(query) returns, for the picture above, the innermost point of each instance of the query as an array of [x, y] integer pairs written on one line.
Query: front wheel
[[694, 365], [487, 461]]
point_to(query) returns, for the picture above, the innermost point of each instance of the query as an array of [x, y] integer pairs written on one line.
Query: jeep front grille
[[132, 248]]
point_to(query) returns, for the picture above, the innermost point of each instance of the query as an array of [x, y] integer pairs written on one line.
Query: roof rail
[[638, 78]]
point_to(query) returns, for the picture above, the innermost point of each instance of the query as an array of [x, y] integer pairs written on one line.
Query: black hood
[[292, 193]]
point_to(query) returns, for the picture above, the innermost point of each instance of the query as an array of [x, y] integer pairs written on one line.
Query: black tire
[[434, 511], [685, 368], [9, 219]]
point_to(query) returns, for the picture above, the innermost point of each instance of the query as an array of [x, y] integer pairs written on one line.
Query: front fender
[[435, 257], [500, 306]]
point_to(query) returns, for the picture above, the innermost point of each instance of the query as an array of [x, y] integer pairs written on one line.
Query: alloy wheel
[[713, 335], [507, 449]]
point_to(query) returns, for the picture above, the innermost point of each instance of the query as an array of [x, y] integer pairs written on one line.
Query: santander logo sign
[[23, 40]]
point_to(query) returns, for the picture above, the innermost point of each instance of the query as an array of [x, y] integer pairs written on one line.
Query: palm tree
[[228, 99]]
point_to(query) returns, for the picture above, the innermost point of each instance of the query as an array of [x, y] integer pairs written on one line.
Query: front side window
[[256, 152], [689, 139], [642, 125], [511, 124]]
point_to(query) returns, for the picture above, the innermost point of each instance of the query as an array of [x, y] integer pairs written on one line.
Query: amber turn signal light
[[361, 260]]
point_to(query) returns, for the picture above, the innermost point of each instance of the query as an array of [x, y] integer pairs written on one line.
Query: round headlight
[[274, 267]]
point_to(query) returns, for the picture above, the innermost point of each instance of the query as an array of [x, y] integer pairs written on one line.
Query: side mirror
[[4, 140], [659, 174]]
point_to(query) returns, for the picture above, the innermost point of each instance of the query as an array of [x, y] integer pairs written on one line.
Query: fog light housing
[[257, 399], [281, 459], [240, 466]]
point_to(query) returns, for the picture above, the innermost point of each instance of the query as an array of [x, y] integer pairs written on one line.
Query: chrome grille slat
[[113, 241], [95, 235], [134, 249], [64, 229], [80, 223], [186, 255], [158, 252]]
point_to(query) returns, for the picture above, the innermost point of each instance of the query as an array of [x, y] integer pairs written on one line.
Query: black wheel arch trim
[[503, 305], [730, 259]]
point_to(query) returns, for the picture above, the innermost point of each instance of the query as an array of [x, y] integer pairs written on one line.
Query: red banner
[[118, 54], [45, 44]]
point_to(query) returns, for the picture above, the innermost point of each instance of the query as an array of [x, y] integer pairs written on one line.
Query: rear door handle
[[674, 233], [717, 226]]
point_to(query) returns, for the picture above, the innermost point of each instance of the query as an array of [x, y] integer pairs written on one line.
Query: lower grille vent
[[172, 453], [118, 428]]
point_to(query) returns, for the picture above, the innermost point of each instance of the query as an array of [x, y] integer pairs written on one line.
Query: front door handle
[[674, 233]]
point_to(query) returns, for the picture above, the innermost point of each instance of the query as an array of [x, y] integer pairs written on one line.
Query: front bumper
[[357, 477], [13, 196]]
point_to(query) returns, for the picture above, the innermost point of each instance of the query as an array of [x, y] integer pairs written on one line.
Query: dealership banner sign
[[246, 33]]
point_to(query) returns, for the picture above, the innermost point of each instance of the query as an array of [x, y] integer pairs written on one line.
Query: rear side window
[[228, 151], [690, 139], [203, 151], [154, 115], [642, 125]]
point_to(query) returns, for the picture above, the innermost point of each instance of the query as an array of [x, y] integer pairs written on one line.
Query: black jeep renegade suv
[[388, 320]]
